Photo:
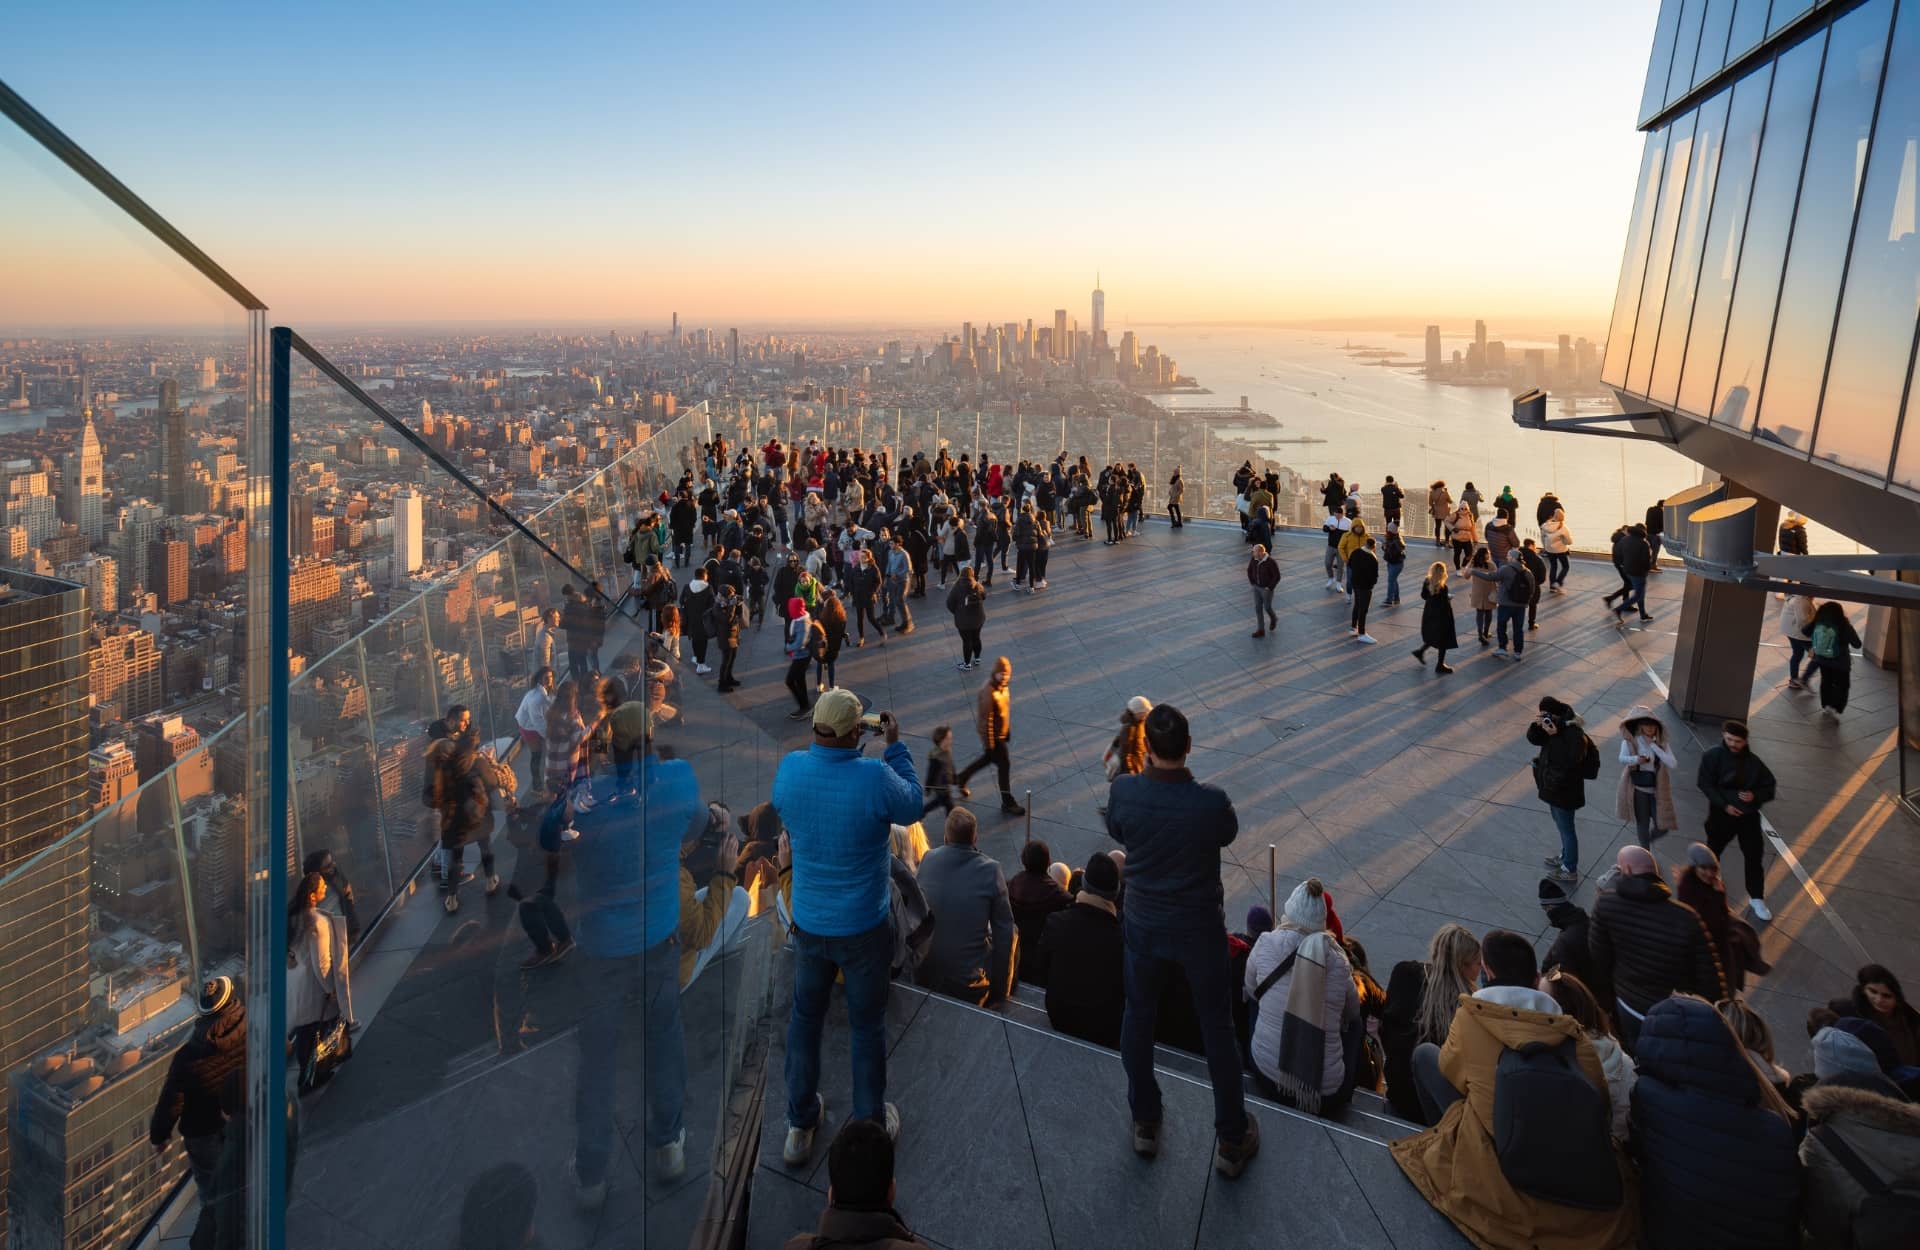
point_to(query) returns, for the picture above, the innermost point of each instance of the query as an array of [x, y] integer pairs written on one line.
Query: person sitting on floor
[[972, 953], [860, 1195], [1034, 893], [1085, 957], [1513, 1191], [1304, 1006], [1714, 1139]]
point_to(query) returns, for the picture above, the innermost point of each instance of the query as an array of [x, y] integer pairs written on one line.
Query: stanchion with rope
[[1029, 835]]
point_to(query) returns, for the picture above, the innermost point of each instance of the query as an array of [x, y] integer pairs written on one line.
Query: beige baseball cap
[[837, 712]]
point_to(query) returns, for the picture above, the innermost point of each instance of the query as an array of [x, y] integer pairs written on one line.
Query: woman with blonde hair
[[1436, 618], [1421, 999]]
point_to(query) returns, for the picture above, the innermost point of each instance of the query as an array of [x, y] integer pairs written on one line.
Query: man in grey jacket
[[972, 952], [1517, 589]]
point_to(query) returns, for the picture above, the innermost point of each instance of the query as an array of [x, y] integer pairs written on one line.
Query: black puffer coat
[[1648, 945], [1572, 950], [199, 1070], [1717, 1167], [1436, 619], [1558, 774]]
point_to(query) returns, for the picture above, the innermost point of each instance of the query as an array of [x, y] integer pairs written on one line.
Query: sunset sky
[[796, 163]]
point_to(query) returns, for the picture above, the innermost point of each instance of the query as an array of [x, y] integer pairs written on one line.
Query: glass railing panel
[[334, 776], [128, 380], [403, 699]]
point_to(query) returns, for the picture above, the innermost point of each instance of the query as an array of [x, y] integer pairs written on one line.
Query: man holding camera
[[1566, 762], [838, 808]]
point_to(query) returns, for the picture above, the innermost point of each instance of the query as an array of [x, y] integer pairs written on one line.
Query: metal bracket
[[1530, 413], [1832, 577]]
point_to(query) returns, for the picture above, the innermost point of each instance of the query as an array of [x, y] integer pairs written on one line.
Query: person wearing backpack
[[1714, 1139], [1834, 641], [1393, 554], [1862, 1160], [1517, 589], [1521, 1154], [1567, 760]]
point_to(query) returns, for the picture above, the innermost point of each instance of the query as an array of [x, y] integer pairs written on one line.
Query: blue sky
[[770, 162]]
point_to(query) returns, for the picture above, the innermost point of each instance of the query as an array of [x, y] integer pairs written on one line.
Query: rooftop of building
[[1407, 793]]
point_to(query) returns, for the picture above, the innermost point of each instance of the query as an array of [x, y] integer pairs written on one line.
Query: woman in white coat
[[1301, 986], [1557, 540], [317, 985]]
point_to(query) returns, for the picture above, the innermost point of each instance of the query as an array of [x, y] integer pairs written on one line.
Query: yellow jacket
[[700, 918]]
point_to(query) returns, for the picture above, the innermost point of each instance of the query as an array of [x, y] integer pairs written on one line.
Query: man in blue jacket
[[838, 807], [1173, 829], [628, 872]]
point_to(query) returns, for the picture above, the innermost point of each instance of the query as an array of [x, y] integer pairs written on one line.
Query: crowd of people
[[1649, 1104]]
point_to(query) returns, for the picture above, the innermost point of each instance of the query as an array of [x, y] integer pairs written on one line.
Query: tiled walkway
[[1407, 793]]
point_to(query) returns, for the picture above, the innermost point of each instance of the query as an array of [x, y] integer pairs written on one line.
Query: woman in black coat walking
[[1436, 618], [968, 603]]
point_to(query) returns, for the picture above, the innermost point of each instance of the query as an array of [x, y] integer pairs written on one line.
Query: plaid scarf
[[1303, 1035]]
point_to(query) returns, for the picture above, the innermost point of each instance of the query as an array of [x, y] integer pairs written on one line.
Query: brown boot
[[1231, 1158]]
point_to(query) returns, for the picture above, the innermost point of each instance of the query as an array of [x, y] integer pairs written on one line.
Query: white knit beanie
[[1307, 906]]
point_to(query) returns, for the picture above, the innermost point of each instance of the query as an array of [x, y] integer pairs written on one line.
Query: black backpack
[[1589, 758], [1552, 1129], [1887, 1215]]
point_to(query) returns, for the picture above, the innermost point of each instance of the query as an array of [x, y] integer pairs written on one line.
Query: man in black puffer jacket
[[1649, 945], [190, 1098]]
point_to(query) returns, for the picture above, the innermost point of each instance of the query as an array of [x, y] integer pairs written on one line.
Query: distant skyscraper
[[1059, 340], [408, 536], [676, 332], [733, 347], [173, 422], [43, 798], [1480, 339], [1099, 308], [1433, 350], [167, 570], [139, 525], [82, 491], [1564, 363], [209, 375]]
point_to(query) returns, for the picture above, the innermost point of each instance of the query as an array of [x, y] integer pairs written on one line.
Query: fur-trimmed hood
[[1830, 1102]]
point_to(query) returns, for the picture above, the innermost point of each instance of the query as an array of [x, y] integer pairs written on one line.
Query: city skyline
[[1434, 191]]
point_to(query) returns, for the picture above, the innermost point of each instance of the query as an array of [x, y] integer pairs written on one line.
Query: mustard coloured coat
[[1454, 1166]]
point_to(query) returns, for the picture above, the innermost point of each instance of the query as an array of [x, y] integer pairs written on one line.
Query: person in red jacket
[[1263, 574]]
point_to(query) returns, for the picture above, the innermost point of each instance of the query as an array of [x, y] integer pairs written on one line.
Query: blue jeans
[[1202, 954], [864, 959], [1262, 606], [896, 602], [651, 983], [1558, 566], [1636, 596], [1393, 582], [1569, 841], [1800, 648], [1517, 614]]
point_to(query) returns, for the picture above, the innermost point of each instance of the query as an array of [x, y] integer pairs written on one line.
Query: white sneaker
[[588, 1195], [1369, 639], [1758, 906], [670, 1160], [892, 1122], [799, 1147], [702, 669]]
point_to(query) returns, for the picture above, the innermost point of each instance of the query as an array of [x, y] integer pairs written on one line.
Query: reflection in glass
[[1829, 191], [1720, 254], [1646, 330], [1633, 266], [1785, 11], [1713, 40], [1678, 308], [1862, 401], [1686, 42], [1748, 28], [1661, 60], [1795, 77]]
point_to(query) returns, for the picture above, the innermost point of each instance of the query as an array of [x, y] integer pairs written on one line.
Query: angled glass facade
[[1771, 282]]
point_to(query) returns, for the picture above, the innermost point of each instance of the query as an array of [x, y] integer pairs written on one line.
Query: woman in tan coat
[[1454, 1164], [1645, 795]]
